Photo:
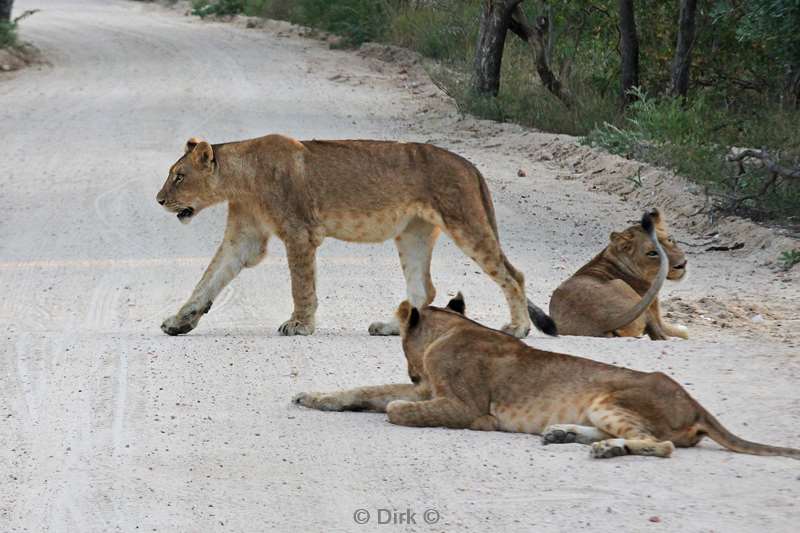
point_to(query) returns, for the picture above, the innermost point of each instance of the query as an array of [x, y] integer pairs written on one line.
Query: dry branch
[[536, 37], [25, 14], [767, 160]]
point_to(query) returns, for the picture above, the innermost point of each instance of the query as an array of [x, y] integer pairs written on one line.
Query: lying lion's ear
[[191, 143], [406, 314], [457, 304], [203, 154]]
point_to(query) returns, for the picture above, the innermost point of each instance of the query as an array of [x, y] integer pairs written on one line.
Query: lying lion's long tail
[[540, 319], [722, 436], [652, 293]]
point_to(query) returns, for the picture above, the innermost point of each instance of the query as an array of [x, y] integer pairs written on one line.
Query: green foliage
[[355, 20], [744, 90], [8, 34], [445, 31], [789, 258], [694, 138], [205, 8]]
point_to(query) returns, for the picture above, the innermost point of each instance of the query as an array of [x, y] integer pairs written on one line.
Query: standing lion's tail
[[540, 319], [722, 436]]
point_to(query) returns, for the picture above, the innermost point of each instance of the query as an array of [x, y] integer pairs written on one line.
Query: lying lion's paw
[[295, 327], [519, 332], [559, 435], [384, 328], [316, 400], [174, 325], [606, 449]]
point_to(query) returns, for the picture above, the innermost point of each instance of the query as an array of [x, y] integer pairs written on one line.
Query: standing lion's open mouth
[[185, 214]]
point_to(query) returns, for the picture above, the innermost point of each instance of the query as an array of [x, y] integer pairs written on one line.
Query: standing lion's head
[[192, 181]]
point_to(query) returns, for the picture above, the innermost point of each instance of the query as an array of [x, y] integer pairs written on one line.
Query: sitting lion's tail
[[540, 319], [652, 293]]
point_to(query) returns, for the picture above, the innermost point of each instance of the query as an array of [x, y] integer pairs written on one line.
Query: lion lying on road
[[616, 293], [465, 375], [360, 191]]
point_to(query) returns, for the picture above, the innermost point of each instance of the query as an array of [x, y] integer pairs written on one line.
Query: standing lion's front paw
[[294, 326], [175, 325]]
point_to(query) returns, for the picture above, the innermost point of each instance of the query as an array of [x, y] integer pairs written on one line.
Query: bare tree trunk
[[537, 38], [495, 17], [629, 50], [5, 10], [683, 49]]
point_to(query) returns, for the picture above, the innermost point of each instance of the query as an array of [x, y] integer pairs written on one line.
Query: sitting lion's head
[[634, 252], [191, 184]]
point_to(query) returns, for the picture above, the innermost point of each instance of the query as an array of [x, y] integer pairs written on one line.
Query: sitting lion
[[616, 293], [359, 191], [467, 376]]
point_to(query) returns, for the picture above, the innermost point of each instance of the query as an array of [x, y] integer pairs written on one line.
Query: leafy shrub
[[8, 34], [205, 8], [693, 138]]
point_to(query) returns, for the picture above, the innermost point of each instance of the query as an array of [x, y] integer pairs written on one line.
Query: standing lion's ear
[[457, 304], [203, 154], [191, 143]]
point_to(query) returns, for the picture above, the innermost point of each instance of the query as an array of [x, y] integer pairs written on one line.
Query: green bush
[[693, 138], [738, 98], [8, 34], [205, 8]]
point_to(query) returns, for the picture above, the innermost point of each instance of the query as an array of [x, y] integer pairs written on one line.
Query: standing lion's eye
[[178, 178]]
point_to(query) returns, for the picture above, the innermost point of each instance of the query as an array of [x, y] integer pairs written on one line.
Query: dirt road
[[106, 424]]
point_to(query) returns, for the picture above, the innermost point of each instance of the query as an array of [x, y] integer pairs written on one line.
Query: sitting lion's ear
[[457, 304], [621, 241], [203, 154], [191, 143]]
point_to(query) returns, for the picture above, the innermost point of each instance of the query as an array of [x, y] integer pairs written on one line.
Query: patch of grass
[[789, 258], [205, 8], [8, 34], [694, 139]]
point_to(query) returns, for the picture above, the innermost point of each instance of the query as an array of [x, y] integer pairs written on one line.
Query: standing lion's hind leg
[[628, 433], [415, 248], [481, 245]]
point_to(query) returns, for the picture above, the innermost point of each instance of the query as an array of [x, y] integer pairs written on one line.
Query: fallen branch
[[737, 246], [768, 161], [25, 14]]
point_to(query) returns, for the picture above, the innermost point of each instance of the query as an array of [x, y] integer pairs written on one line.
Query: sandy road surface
[[106, 424]]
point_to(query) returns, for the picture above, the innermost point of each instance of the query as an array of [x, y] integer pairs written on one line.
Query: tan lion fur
[[591, 301], [467, 376], [359, 191]]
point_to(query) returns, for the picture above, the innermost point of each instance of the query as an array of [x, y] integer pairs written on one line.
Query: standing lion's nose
[[160, 199]]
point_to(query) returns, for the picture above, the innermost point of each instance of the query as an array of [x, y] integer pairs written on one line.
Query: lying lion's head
[[192, 182], [633, 250], [420, 327]]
